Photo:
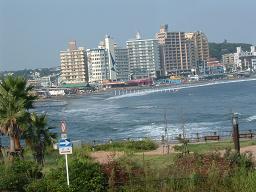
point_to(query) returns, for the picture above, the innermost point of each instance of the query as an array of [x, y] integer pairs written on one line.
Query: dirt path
[[251, 149], [104, 157], [107, 156]]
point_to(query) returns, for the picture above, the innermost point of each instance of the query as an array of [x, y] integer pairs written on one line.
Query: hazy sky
[[32, 32]]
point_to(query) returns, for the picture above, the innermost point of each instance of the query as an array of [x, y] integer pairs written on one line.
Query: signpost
[[63, 128], [65, 146]]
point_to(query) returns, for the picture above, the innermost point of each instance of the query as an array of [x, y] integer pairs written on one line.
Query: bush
[[143, 145], [16, 176], [85, 175]]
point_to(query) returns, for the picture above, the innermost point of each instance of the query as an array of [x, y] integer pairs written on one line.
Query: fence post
[[236, 132], [197, 137]]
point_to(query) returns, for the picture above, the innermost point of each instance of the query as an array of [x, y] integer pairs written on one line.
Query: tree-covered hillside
[[29, 73], [218, 49]]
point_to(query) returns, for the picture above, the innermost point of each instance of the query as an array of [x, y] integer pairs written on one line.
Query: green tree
[[15, 102], [38, 136]]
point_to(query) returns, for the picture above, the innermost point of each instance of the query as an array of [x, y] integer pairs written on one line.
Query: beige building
[[181, 52], [228, 61], [175, 51], [74, 68], [200, 46]]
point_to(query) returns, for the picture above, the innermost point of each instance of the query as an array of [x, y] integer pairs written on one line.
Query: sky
[[33, 32]]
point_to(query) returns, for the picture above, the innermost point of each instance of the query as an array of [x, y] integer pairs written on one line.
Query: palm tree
[[38, 136], [15, 102], [12, 112]]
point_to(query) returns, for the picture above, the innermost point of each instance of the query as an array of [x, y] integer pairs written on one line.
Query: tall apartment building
[[181, 52], [200, 46], [74, 69], [122, 64], [98, 66], [109, 45], [175, 51], [143, 57], [108, 62]]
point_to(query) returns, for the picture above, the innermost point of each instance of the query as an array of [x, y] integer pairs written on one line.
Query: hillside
[[218, 49]]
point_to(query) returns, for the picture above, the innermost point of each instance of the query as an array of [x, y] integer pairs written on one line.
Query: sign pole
[[65, 146], [66, 157]]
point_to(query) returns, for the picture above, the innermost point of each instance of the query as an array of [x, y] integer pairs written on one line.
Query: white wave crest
[[251, 118]]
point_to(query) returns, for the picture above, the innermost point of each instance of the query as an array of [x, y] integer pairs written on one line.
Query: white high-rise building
[[98, 66], [108, 62], [116, 65], [237, 61], [143, 57], [74, 65], [109, 45]]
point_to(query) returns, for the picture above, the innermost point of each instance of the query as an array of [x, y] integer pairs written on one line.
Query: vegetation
[[133, 172], [38, 136], [15, 176], [16, 121], [218, 49], [15, 101], [28, 73], [135, 146], [24, 175], [85, 175], [190, 172], [198, 171], [213, 146]]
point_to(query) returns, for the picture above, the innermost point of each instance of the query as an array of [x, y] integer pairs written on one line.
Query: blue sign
[[65, 143]]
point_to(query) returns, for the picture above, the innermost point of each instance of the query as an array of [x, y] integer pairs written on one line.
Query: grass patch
[[158, 161], [134, 146], [214, 146]]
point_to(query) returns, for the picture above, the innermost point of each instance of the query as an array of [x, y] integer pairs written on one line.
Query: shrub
[[143, 145], [16, 176], [85, 175]]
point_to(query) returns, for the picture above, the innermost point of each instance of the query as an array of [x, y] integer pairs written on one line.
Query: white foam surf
[[190, 129], [251, 118]]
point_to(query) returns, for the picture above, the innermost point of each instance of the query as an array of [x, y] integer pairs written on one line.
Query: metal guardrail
[[174, 138]]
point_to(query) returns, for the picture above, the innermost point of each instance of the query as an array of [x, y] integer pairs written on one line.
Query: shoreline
[[150, 88]]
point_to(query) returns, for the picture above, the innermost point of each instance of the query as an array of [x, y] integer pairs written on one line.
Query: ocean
[[204, 109]]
